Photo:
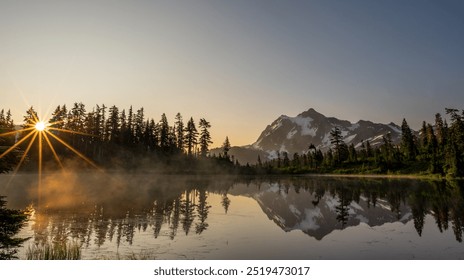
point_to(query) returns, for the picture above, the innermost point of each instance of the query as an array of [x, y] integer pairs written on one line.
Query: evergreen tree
[[440, 129], [435, 166], [455, 144], [164, 133], [407, 141], [139, 125], [2, 119], [338, 145], [113, 125], [123, 130], [180, 132], [369, 151], [286, 160], [9, 123], [329, 158], [388, 150], [59, 118], [191, 135], [205, 137], [312, 155], [296, 160], [172, 140], [130, 127], [260, 163], [30, 118], [11, 222], [353, 156], [155, 134], [9, 160], [6, 126], [147, 136], [226, 147]]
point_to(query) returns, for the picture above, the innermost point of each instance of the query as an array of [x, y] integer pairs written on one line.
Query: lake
[[150, 216]]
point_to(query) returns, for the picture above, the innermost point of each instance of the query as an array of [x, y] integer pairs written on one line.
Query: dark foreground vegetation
[[114, 138], [11, 222]]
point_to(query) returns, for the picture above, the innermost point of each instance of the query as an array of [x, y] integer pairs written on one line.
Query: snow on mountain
[[295, 134]]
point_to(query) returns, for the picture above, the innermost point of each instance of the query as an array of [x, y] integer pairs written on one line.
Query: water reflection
[[337, 203], [96, 211]]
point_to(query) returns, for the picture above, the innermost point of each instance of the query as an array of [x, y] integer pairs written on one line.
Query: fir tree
[[226, 147], [205, 137], [191, 135], [337, 144], [164, 133], [11, 222], [113, 125], [407, 141], [180, 132]]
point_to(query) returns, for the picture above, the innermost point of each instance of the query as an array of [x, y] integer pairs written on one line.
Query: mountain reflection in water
[[163, 217]]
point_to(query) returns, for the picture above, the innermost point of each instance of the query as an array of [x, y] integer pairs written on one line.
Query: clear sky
[[239, 64]]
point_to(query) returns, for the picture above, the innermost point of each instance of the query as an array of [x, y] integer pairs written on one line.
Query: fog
[[117, 191]]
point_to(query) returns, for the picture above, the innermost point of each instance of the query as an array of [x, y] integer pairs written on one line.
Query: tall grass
[[54, 251]]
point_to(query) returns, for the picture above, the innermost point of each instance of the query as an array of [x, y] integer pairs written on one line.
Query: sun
[[38, 131], [40, 126]]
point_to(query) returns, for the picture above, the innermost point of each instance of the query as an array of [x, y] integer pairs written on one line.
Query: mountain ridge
[[296, 134]]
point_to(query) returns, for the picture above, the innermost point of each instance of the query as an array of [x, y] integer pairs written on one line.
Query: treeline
[[113, 137], [7, 125], [436, 149]]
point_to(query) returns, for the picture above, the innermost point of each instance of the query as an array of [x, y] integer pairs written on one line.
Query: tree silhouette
[[226, 147], [191, 135], [225, 202], [205, 137], [202, 211], [342, 207], [11, 221]]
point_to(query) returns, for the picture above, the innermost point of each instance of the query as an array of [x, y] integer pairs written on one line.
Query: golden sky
[[239, 64]]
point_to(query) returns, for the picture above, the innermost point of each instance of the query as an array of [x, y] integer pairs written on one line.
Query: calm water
[[124, 216]]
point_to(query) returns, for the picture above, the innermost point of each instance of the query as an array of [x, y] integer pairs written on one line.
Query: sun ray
[[40, 158], [53, 150], [23, 157], [57, 122], [70, 131], [36, 119], [26, 151], [17, 144], [74, 150], [30, 125], [16, 131]]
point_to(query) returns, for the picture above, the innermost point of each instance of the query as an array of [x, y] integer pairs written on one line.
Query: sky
[[238, 64]]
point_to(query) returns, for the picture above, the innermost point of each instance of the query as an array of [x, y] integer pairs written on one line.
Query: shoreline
[[380, 176]]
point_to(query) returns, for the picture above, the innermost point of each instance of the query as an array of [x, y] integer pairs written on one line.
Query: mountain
[[295, 134]]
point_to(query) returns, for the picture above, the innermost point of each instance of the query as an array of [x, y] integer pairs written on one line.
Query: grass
[[142, 255], [54, 251]]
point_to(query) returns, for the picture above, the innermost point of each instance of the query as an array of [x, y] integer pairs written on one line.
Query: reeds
[[54, 251]]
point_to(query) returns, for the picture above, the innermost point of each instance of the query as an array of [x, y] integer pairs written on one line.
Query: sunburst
[[38, 130], [40, 126]]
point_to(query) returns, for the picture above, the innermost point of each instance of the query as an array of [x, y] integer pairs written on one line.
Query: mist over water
[[116, 215]]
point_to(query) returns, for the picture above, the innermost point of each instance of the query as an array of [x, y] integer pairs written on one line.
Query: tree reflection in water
[[167, 205]]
